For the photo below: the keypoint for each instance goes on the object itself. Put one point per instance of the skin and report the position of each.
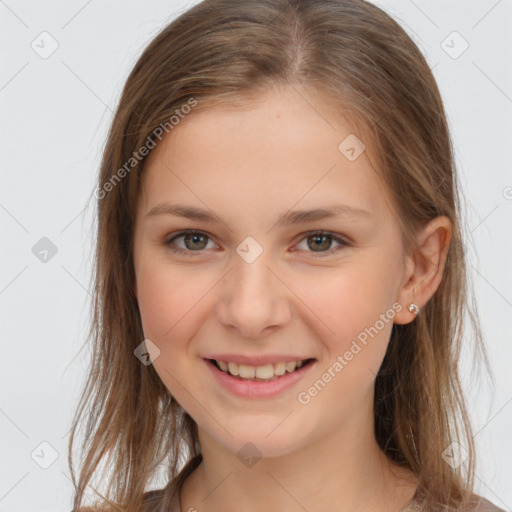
(248, 165)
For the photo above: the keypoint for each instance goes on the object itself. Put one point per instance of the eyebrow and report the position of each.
(284, 219)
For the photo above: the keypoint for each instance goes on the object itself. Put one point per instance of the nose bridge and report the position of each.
(252, 280)
(253, 298)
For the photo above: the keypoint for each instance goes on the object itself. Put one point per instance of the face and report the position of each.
(254, 282)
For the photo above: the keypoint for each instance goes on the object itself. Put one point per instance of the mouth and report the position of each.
(265, 373)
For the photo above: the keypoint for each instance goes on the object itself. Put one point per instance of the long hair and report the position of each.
(224, 51)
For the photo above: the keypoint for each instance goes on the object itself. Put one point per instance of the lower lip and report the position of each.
(255, 389)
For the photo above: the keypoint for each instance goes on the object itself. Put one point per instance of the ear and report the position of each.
(424, 268)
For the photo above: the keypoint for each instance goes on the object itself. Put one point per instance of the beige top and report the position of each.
(171, 495)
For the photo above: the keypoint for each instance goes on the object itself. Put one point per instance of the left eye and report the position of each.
(196, 241)
(321, 242)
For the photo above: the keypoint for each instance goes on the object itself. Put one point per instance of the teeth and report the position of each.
(279, 368)
(246, 372)
(233, 368)
(267, 372)
(264, 372)
(291, 366)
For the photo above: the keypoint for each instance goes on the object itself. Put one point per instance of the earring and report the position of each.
(414, 309)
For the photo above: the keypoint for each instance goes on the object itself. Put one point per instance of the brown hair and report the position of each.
(226, 50)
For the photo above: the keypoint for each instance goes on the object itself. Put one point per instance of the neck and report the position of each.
(344, 471)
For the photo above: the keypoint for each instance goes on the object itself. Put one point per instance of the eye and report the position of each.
(320, 241)
(194, 241)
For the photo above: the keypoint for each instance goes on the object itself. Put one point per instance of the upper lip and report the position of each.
(256, 360)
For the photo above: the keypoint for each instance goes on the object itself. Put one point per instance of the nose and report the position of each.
(254, 299)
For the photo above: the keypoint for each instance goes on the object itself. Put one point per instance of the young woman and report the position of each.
(280, 278)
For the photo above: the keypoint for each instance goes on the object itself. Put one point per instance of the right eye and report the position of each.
(193, 241)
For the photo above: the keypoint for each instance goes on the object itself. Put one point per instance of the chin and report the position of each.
(264, 440)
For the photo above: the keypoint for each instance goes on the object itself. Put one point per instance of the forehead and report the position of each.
(286, 147)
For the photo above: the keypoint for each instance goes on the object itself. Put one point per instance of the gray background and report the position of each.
(55, 112)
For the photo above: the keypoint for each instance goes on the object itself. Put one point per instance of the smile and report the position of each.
(243, 381)
(265, 373)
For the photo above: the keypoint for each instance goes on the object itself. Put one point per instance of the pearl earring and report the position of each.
(414, 309)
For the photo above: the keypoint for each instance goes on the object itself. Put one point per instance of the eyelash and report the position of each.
(343, 243)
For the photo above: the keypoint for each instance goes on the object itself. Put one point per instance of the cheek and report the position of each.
(167, 296)
(355, 304)
(170, 307)
(163, 304)
(158, 304)
(349, 301)
(175, 302)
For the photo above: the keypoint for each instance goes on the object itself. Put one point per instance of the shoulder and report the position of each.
(477, 503)
(93, 508)
(150, 501)
(483, 505)
(100, 507)
(153, 500)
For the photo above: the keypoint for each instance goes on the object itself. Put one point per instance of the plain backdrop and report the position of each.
(55, 111)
